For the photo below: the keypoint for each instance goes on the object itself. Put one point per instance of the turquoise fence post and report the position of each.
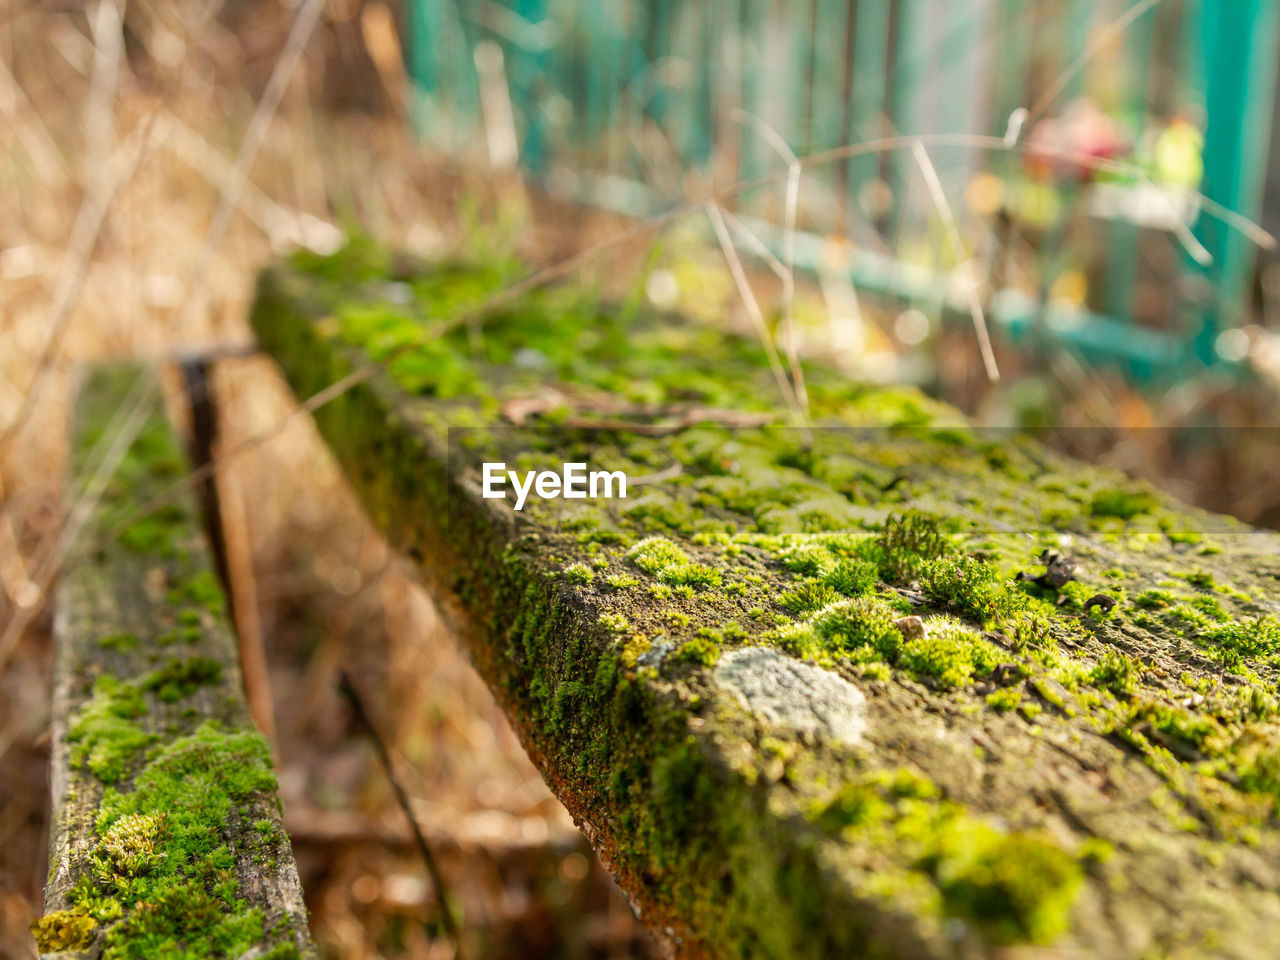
(1239, 48)
(422, 41)
(529, 73)
(869, 100)
(1123, 236)
(911, 64)
(700, 142)
(423, 33)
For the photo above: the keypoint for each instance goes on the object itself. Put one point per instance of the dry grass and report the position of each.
(120, 148)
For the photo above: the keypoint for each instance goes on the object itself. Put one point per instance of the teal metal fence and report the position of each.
(626, 102)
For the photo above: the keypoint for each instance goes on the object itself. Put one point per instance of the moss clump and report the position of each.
(181, 678)
(701, 651)
(158, 534)
(654, 555)
(1259, 637)
(163, 880)
(808, 558)
(579, 573)
(968, 586)
(807, 597)
(1116, 672)
(1124, 504)
(906, 542)
(798, 639)
(202, 589)
(104, 736)
(63, 930)
(126, 640)
(852, 577)
(691, 575)
(862, 622)
(1015, 886)
(950, 653)
(1004, 700)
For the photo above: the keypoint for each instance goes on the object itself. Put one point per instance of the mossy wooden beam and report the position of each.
(888, 688)
(167, 836)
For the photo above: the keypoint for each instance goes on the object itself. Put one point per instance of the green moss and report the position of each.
(1122, 503)
(181, 678)
(1016, 886)
(201, 588)
(63, 930)
(691, 575)
(1116, 672)
(127, 640)
(163, 879)
(159, 534)
(852, 577)
(968, 586)
(579, 573)
(950, 653)
(807, 597)
(862, 622)
(809, 558)
(907, 542)
(615, 622)
(1004, 699)
(103, 734)
(701, 650)
(655, 554)
(798, 639)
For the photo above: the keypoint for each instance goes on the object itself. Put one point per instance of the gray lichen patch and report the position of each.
(787, 695)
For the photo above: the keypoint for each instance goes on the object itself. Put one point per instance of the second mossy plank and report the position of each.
(167, 835)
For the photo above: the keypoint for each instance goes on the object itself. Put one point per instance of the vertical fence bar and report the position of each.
(910, 64)
(526, 72)
(1123, 236)
(830, 37)
(750, 26)
(869, 104)
(1239, 47)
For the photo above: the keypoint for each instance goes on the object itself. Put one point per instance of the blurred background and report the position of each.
(1076, 196)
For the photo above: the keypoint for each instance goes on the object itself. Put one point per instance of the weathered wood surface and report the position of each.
(167, 836)
(722, 675)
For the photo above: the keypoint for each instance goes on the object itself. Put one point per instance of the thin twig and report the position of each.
(930, 174)
(30, 131)
(402, 798)
(756, 315)
(790, 213)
